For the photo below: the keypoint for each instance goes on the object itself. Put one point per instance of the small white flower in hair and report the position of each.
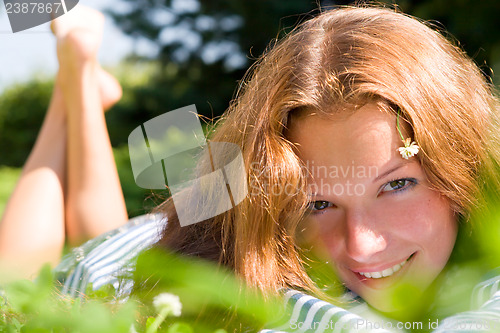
(169, 303)
(409, 150)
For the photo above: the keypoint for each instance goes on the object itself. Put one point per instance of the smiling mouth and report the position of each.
(386, 272)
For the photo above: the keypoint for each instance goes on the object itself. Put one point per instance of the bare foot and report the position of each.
(79, 35)
(79, 17)
(79, 31)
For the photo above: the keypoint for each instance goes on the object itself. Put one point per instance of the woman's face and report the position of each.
(373, 213)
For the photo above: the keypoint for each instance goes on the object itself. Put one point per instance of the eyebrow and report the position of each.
(391, 170)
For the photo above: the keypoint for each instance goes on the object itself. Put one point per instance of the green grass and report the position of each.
(8, 179)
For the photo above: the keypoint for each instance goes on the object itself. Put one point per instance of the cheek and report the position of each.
(322, 235)
(429, 225)
(328, 234)
(427, 217)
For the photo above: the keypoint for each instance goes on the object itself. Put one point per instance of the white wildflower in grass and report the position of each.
(409, 150)
(168, 302)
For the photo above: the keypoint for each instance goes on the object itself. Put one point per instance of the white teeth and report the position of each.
(385, 272)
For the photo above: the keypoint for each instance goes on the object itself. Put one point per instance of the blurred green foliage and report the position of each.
(205, 292)
(22, 108)
(212, 296)
(38, 307)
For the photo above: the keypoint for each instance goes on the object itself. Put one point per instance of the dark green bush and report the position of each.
(22, 108)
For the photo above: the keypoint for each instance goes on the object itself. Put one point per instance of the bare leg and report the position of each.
(32, 227)
(95, 202)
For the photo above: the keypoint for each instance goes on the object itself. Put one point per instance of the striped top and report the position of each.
(101, 261)
(104, 259)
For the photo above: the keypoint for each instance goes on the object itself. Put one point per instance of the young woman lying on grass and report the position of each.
(368, 140)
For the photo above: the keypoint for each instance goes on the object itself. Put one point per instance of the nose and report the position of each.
(362, 239)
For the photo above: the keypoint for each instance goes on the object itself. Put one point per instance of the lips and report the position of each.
(386, 272)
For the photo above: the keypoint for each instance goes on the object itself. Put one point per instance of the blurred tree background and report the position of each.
(203, 49)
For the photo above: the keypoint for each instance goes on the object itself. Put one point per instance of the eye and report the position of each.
(319, 205)
(398, 185)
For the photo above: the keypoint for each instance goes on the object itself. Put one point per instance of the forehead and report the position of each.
(367, 136)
